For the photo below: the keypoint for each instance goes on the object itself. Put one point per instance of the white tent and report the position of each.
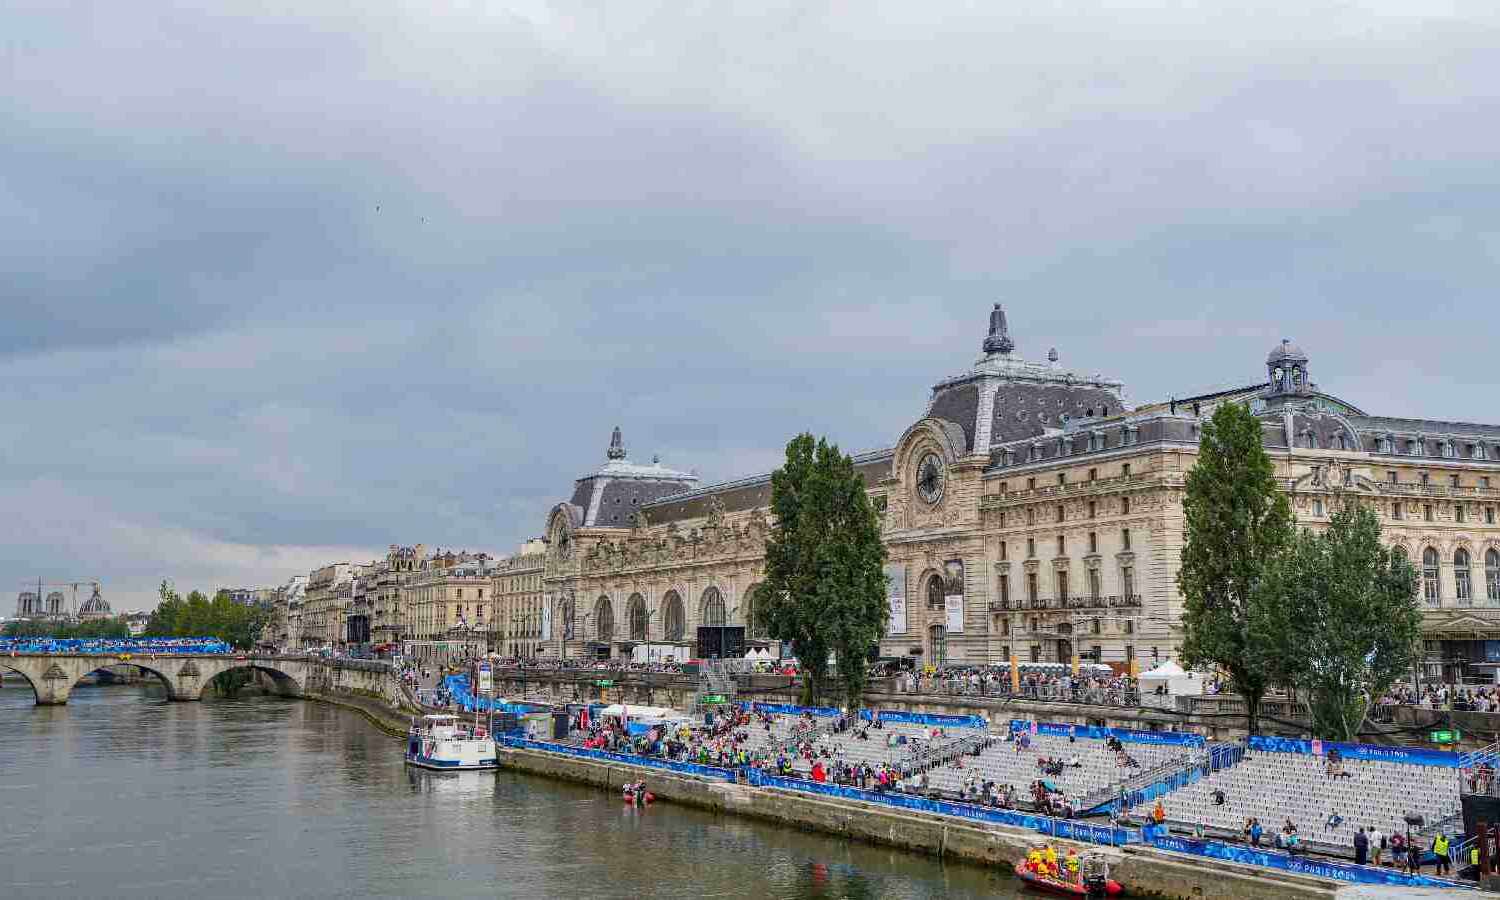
(760, 654)
(1176, 681)
(639, 712)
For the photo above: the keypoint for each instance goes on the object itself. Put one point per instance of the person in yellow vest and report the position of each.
(1050, 854)
(1474, 855)
(1072, 865)
(1440, 850)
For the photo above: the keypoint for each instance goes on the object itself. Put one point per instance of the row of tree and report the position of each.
(198, 616)
(113, 627)
(1329, 616)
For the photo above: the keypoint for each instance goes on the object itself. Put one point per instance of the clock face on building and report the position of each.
(930, 478)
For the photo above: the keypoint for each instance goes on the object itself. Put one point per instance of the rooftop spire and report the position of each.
(998, 340)
(616, 446)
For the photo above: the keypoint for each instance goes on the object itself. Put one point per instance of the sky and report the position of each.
(282, 284)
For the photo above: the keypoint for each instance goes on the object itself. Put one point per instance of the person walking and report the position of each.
(1377, 845)
(1440, 850)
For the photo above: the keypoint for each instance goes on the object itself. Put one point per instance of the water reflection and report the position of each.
(123, 794)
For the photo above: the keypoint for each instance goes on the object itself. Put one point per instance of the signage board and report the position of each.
(953, 595)
(895, 594)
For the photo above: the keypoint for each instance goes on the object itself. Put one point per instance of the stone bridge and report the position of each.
(53, 675)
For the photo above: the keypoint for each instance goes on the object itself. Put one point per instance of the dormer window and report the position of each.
(1412, 448)
(1384, 445)
(1447, 449)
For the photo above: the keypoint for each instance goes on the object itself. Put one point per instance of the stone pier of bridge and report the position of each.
(52, 676)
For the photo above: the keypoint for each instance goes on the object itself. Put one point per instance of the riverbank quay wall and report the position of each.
(1148, 872)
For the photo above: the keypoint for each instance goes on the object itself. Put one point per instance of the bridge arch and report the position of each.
(10, 672)
(287, 685)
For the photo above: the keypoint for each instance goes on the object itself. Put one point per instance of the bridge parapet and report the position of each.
(53, 675)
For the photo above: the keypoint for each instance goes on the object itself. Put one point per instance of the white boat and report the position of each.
(444, 743)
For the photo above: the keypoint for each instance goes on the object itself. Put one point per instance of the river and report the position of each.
(122, 794)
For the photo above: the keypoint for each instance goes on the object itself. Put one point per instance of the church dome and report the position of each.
(95, 605)
(1286, 351)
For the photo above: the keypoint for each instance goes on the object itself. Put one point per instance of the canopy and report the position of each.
(1172, 676)
(760, 654)
(642, 712)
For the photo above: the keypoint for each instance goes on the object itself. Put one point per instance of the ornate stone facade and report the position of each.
(1033, 512)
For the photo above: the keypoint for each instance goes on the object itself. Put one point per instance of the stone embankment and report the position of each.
(371, 690)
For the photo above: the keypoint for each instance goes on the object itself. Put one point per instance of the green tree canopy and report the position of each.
(825, 589)
(1336, 617)
(1237, 523)
(198, 616)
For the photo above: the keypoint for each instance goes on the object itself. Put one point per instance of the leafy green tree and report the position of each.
(1337, 618)
(825, 590)
(1237, 524)
(198, 616)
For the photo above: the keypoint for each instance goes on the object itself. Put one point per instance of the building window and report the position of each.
(1383, 445)
(938, 637)
(1093, 542)
(1005, 629)
(1093, 474)
(1031, 548)
(1062, 546)
(1317, 507)
(1492, 575)
(1484, 482)
(1125, 538)
(1125, 470)
(1426, 477)
(1062, 514)
(1461, 584)
(1095, 584)
(1003, 546)
(1430, 576)
(1004, 591)
(1062, 585)
(1447, 449)
(1031, 484)
(1427, 512)
(1453, 480)
(604, 619)
(1093, 509)
(1458, 512)
(1129, 649)
(1129, 626)
(1390, 476)
(1094, 626)
(935, 592)
(1124, 506)
(673, 622)
(1036, 653)
(1062, 477)
(1030, 515)
(1396, 510)
(1127, 581)
(1033, 591)
(1411, 448)
(636, 610)
(1489, 515)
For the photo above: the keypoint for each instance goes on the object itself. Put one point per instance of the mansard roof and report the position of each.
(610, 497)
(749, 493)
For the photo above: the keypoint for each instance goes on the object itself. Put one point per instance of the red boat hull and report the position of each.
(1111, 888)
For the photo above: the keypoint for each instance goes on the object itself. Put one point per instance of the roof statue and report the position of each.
(998, 340)
(616, 445)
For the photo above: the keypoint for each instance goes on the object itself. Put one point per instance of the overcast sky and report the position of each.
(282, 286)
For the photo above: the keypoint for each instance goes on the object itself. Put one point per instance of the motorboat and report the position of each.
(445, 743)
(1094, 880)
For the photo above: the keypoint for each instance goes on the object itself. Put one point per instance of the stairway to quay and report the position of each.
(977, 781)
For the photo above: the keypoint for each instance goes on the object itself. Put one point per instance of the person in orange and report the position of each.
(1159, 812)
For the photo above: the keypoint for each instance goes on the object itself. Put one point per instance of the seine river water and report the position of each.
(122, 794)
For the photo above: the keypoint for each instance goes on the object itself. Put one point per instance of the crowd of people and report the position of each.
(1445, 697)
(135, 645)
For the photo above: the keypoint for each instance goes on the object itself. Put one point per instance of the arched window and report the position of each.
(604, 619)
(1430, 576)
(636, 610)
(1492, 575)
(935, 591)
(712, 612)
(1461, 584)
(672, 622)
(938, 637)
(755, 616)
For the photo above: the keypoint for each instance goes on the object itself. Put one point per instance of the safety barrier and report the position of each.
(1123, 735)
(1061, 828)
(627, 758)
(1417, 756)
(788, 709)
(1270, 859)
(458, 689)
(200, 645)
(910, 718)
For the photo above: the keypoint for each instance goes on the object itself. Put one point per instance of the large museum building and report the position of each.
(1034, 513)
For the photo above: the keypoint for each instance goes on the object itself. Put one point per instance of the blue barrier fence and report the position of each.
(1123, 735)
(458, 687)
(627, 758)
(934, 719)
(1061, 828)
(1270, 859)
(1417, 756)
(144, 645)
(788, 709)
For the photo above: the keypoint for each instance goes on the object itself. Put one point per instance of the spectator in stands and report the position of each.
(1334, 821)
(1218, 797)
(1361, 847)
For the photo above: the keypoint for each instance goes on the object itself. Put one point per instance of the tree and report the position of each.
(825, 588)
(197, 616)
(1337, 618)
(1237, 524)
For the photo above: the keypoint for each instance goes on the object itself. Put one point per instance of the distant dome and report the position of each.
(95, 605)
(1284, 352)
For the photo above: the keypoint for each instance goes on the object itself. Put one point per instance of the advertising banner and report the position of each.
(1124, 735)
(546, 621)
(953, 595)
(895, 594)
(486, 685)
(1417, 756)
(1270, 859)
